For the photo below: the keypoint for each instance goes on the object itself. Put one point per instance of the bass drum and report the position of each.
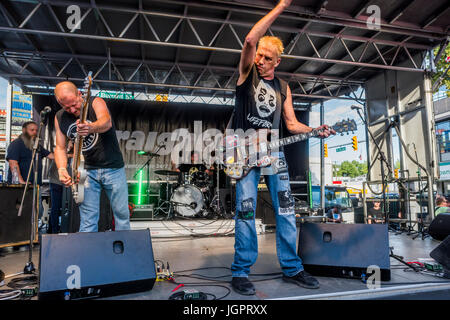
(187, 200)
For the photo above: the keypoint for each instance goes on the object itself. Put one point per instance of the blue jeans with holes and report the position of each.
(246, 242)
(114, 182)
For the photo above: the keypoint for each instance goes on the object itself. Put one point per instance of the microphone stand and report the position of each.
(29, 267)
(383, 160)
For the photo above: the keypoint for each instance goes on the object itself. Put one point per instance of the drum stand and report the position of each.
(215, 205)
(166, 202)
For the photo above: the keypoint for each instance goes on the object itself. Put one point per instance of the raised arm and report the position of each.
(252, 38)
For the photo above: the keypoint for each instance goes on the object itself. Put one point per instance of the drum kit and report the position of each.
(191, 195)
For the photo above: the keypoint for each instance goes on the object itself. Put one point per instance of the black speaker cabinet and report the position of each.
(264, 208)
(15, 230)
(100, 264)
(442, 255)
(439, 228)
(344, 250)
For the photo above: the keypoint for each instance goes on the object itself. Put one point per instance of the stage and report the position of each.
(215, 254)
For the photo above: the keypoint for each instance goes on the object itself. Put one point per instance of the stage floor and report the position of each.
(193, 253)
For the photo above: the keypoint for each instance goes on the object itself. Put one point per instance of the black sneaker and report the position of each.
(243, 286)
(303, 279)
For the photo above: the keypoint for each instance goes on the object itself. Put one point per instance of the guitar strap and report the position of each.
(277, 115)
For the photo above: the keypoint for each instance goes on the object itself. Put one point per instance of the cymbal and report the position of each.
(167, 172)
(145, 153)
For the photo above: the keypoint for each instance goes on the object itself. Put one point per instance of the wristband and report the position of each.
(59, 169)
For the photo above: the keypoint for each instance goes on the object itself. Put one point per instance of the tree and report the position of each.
(441, 67)
(362, 168)
(348, 169)
(351, 169)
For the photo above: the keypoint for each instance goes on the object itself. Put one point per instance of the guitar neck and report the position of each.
(79, 139)
(293, 139)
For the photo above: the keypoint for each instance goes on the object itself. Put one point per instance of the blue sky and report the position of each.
(337, 110)
(3, 85)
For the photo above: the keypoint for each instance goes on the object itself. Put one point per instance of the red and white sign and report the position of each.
(447, 59)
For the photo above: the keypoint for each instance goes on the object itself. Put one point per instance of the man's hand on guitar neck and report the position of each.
(84, 129)
(325, 131)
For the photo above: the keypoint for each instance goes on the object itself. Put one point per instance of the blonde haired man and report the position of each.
(261, 101)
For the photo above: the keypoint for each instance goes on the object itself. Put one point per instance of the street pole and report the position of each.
(322, 161)
(9, 101)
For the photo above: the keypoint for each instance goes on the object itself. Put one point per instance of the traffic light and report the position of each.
(325, 150)
(355, 143)
(396, 173)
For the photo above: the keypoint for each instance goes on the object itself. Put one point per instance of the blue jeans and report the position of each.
(114, 182)
(246, 242)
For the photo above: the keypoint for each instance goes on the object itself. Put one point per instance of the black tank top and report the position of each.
(256, 102)
(100, 150)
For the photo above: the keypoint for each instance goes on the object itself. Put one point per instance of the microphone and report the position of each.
(46, 111)
(353, 107)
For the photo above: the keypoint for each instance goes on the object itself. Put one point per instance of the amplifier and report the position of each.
(143, 212)
(15, 230)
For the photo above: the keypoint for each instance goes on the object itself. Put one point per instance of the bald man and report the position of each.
(103, 159)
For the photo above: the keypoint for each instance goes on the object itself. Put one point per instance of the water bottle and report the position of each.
(15, 177)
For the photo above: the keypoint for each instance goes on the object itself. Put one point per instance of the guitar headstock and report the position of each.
(86, 94)
(87, 84)
(345, 126)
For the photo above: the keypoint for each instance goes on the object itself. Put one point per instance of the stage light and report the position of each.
(140, 186)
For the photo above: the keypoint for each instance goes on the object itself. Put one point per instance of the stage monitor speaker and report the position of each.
(344, 250)
(99, 264)
(440, 226)
(442, 255)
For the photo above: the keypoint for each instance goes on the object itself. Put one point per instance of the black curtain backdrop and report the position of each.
(143, 125)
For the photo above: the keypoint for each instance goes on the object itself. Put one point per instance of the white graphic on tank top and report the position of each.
(89, 141)
(266, 99)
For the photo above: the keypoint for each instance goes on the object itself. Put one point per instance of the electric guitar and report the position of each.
(79, 173)
(239, 158)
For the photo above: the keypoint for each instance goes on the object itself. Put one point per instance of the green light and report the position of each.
(140, 187)
(141, 152)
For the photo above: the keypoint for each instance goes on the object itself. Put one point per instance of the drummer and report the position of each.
(193, 166)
